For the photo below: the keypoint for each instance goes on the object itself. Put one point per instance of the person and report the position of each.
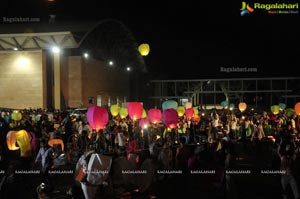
(45, 154)
(288, 154)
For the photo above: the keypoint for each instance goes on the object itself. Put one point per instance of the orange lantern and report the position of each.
(196, 118)
(170, 118)
(297, 108)
(11, 141)
(97, 117)
(242, 106)
(154, 115)
(135, 110)
(144, 49)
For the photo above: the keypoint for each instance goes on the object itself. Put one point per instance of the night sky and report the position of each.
(189, 39)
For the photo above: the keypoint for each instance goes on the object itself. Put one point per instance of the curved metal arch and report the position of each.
(110, 39)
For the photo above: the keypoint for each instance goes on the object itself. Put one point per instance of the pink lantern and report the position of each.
(97, 117)
(35, 142)
(144, 123)
(135, 110)
(189, 113)
(154, 115)
(170, 118)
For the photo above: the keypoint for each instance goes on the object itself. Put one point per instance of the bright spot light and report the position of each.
(243, 117)
(86, 55)
(111, 63)
(15, 49)
(55, 49)
(145, 126)
(202, 114)
(23, 62)
(230, 108)
(128, 69)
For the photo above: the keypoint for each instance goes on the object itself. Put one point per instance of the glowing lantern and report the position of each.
(97, 117)
(144, 123)
(23, 141)
(17, 116)
(170, 104)
(224, 104)
(242, 106)
(275, 109)
(231, 106)
(189, 113)
(289, 112)
(282, 106)
(188, 105)
(180, 111)
(11, 141)
(144, 114)
(114, 109)
(196, 111)
(154, 115)
(135, 110)
(144, 49)
(55, 141)
(297, 108)
(170, 118)
(123, 112)
(196, 118)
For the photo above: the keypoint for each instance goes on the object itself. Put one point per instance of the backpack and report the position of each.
(98, 168)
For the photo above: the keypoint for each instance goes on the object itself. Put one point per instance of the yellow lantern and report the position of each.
(114, 109)
(17, 116)
(180, 111)
(11, 141)
(275, 109)
(144, 49)
(23, 141)
(242, 106)
(123, 112)
(144, 115)
(196, 111)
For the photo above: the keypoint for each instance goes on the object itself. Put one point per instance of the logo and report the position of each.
(246, 9)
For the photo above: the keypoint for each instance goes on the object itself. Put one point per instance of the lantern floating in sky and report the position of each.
(196, 111)
(114, 109)
(289, 112)
(180, 111)
(154, 115)
(275, 109)
(97, 117)
(144, 114)
(224, 104)
(135, 110)
(282, 106)
(169, 104)
(17, 116)
(170, 118)
(144, 49)
(188, 105)
(123, 112)
(144, 123)
(23, 141)
(242, 106)
(297, 108)
(189, 113)
(11, 141)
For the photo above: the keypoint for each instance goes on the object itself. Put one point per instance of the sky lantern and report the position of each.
(16, 115)
(231, 106)
(189, 113)
(23, 141)
(242, 106)
(144, 114)
(180, 111)
(11, 141)
(282, 106)
(97, 117)
(123, 112)
(297, 108)
(144, 49)
(169, 104)
(188, 105)
(144, 123)
(114, 109)
(196, 118)
(170, 118)
(154, 115)
(289, 112)
(275, 109)
(224, 104)
(135, 110)
(196, 110)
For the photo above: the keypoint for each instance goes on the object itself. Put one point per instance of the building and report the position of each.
(67, 65)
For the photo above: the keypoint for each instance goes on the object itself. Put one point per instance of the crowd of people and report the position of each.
(212, 141)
